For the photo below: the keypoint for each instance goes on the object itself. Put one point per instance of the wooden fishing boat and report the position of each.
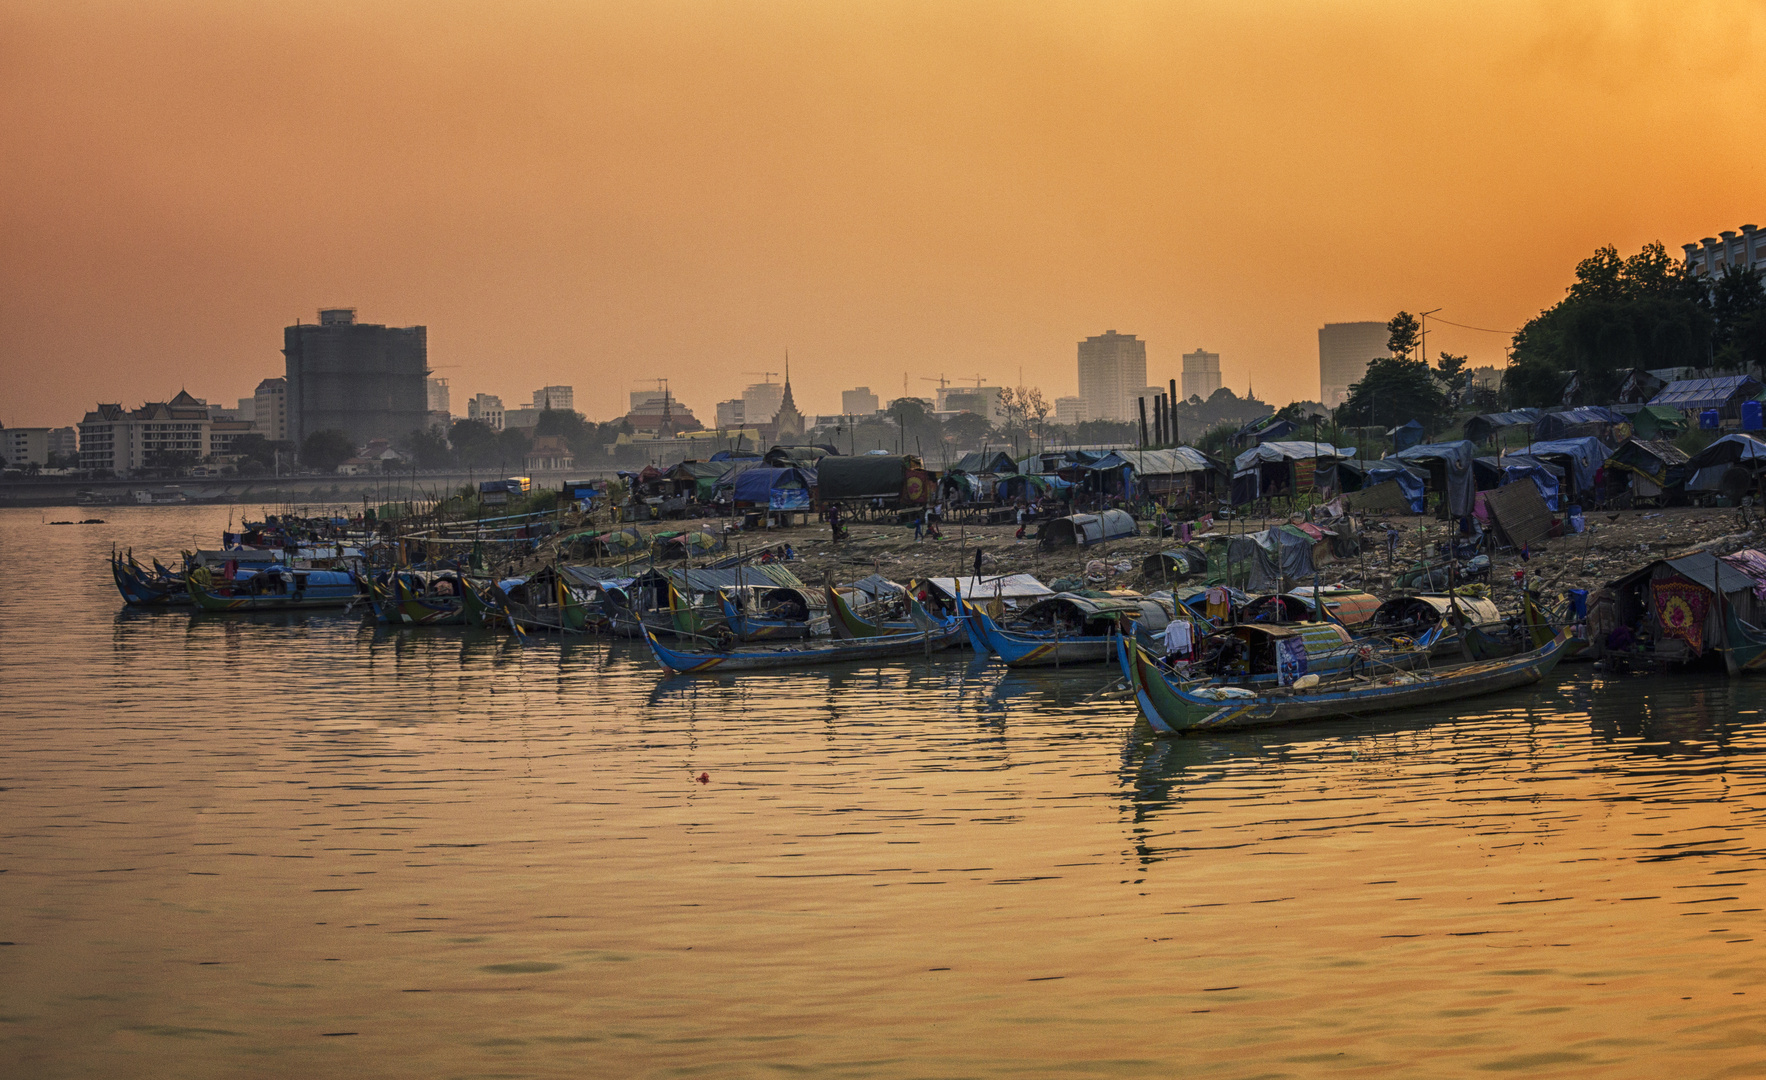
(396, 599)
(275, 589)
(1744, 644)
(142, 587)
(844, 622)
(825, 651)
(772, 613)
(1172, 707)
(1092, 644)
(1258, 652)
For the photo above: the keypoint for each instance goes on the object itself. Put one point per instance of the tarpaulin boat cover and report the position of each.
(863, 477)
(1455, 458)
(1586, 455)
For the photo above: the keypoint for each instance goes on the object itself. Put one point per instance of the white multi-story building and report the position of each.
(269, 410)
(22, 446)
(1344, 351)
(438, 395)
(554, 397)
(1201, 374)
(487, 409)
(158, 434)
(859, 401)
(731, 414)
(1070, 411)
(64, 442)
(1710, 255)
(1112, 373)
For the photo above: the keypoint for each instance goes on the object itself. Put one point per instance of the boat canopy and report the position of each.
(1004, 586)
(1348, 606)
(1430, 609)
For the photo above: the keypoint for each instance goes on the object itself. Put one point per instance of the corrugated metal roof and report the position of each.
(1704, 393)
(1702, 568)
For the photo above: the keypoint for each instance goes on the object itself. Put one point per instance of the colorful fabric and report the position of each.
(1680, 608)
(1290, 659)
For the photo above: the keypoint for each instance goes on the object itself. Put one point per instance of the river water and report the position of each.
(294, 846)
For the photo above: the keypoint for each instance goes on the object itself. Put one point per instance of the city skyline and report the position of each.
(731, 163)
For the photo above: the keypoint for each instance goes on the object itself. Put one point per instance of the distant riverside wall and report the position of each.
(61, 491)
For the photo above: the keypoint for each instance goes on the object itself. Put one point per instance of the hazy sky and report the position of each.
(596, 194)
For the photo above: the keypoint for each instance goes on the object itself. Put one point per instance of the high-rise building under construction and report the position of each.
(366, 380)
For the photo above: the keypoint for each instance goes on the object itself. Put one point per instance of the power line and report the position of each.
(1463, 326)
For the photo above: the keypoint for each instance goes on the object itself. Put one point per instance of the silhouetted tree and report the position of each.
(326, 449)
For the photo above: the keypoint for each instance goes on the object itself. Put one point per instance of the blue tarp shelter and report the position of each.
(1547, 478)
(1695, 395)
(1580, 458)
(1570, 423)
(1407, 435)
(1414, 485)
(1481, 427)
(1450, 466)
(776, 489)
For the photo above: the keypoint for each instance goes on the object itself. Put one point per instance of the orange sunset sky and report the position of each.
(598, 193)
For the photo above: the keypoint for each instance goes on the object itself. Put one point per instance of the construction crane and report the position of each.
(765, 375)
(940, 380)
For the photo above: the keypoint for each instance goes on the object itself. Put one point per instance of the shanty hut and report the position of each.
(696, 479)
(1486, 427)
(1406, 435)
(787, 488)
(1672, 602)
(1580, 422)
(1657, 422)
(1653, 466)
(1724, 394)
(978, 462)
(1084, 530)
(1181, 472)
(1031, 486)
(803, 457)
(1282, 468)
(1581, 459)
(1449, 466)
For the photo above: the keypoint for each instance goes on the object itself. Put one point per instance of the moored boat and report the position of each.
(274, 589)
(1081, 631)
(1172, 707)
(821, 651)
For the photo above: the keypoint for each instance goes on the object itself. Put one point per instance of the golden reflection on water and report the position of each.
(299, 846)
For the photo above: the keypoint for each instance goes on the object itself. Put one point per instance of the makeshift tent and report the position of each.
(1407, 435)
(1164, 472)
(1675, 598)
(863, 477)
(1580, 458)
(984, 461)
(1085, 530)
(800, 456)
(1029, 486)
(697, 478)
(1576, 423)
(1241, 562)
(1547, 479)
(776, 489)
(1280, 468)
(1657, 422)
(1412, 483)
(736, 455)
(1729, 465)
(1486, 426)
(1654, 466)
(1696, 395)
(1450, 471)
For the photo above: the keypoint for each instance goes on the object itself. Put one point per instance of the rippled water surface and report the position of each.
(303, 846)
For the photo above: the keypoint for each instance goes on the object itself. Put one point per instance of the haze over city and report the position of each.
(596, 195)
